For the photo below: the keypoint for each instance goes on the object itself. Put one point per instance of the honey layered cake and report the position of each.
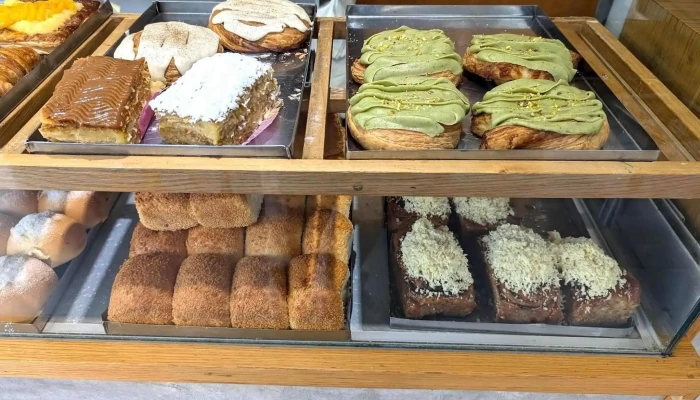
(220, 101)
(99, 100)
(42, 25)
(540, 114)
(411, 113)
(407, 52)
(504, 57)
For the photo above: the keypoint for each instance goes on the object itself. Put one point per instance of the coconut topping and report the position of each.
(271, 16)
(483, 210)
(433, 254)
(428, 206)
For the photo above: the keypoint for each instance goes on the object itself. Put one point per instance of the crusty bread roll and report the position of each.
(143, 290)
(51, 237)
(164, 211)
(259, 294)
(202, 291)
(18, 203)
(339, 204)
(25, 285)
(224, 242)
(328, 232)
(88, 208)
(225, 210)
(316, 292)
(146, 241)
(277, 233)
(6, 224)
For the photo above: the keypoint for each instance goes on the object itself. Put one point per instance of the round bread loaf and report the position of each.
(18, 203)
(88, 208)
(6, 224)
(48, 236)
(25, 285)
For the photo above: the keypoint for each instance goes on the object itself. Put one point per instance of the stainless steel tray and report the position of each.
(50, 61)
(274, 142)
(628, 141)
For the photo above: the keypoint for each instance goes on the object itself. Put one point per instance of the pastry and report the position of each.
(339, 204)
(480, 215)
(98, 100)
(44, 24)
(403, 212)
(202, 291)
(328, 232)
(407, 114)
(505, 57)
(15, 63)
(431, 272)
(221, 100)
(259, 294)
(224, 210)
(170, 48)
(277, 233)
(317, 292)
(6, 224)
(88, 208)
(224, 242)
(18, 203)
(146, 241)
(407, 52)
(25, 285)
(254, 26)
(539, 114)
(164, 211)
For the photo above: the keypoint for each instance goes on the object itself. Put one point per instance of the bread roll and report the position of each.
(328, 232)
(259, 294)
(164, 211)
(282, 203)
(88, 208)
(25, 285)
(224, 210)
(225, 242)
(202, 291)
(316, 292)
(6, 224)
(339, 204)
(51, 237)
(18, 203)
(277, 233)
(146, 241)
(143, 290)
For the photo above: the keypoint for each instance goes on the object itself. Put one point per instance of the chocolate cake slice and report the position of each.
(403, 212)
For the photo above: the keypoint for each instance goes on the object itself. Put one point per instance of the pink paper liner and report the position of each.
(263, 125)
(146, 117)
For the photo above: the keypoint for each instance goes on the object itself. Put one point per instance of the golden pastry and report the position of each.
(15, 62)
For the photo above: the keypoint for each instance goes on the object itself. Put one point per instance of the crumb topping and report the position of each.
(483, 210)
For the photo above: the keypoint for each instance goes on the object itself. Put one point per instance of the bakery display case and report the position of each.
(317, 267)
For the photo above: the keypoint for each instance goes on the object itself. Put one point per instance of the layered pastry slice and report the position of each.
(505, 57)
(220, 101)
(540, 114)
(15, 62)
(99, 100)
(402, 212)
(253, 26)
(43, 24)
(170, 48)
(412, 113)
(407, 52)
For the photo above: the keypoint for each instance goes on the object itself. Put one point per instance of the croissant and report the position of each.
(15, 62)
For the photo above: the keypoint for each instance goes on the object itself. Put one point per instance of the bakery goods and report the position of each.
(317, 292)
(164, 211)
(18, 203)
(539, 114)
(48, 236)
(407, 52)
(479, 215)
(202, 291)
(224, 210)
(224, 242)
(142, 292)
(431, 272)
(505, 57)
(98, 100)
(277, 233)
(200, 109)
(328, 232)
(598, 292)
(6, 224)
(284, 203)
(407, 114)
(15, 63)
(170, 48)
(254, 26)
(43, 24)
(146, 241)
(403, 212)
(339, 204)
(522, 275)
(25, 285)
(259, 294)
(88, 208)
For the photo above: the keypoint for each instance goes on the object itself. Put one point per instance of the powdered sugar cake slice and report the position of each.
(220, 101)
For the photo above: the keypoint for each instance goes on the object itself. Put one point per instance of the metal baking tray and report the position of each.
(276, 141)
(51, 61)
(627, 142)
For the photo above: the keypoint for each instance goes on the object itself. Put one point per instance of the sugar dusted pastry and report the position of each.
(251, 26)
(220, 101)
(170, 48)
